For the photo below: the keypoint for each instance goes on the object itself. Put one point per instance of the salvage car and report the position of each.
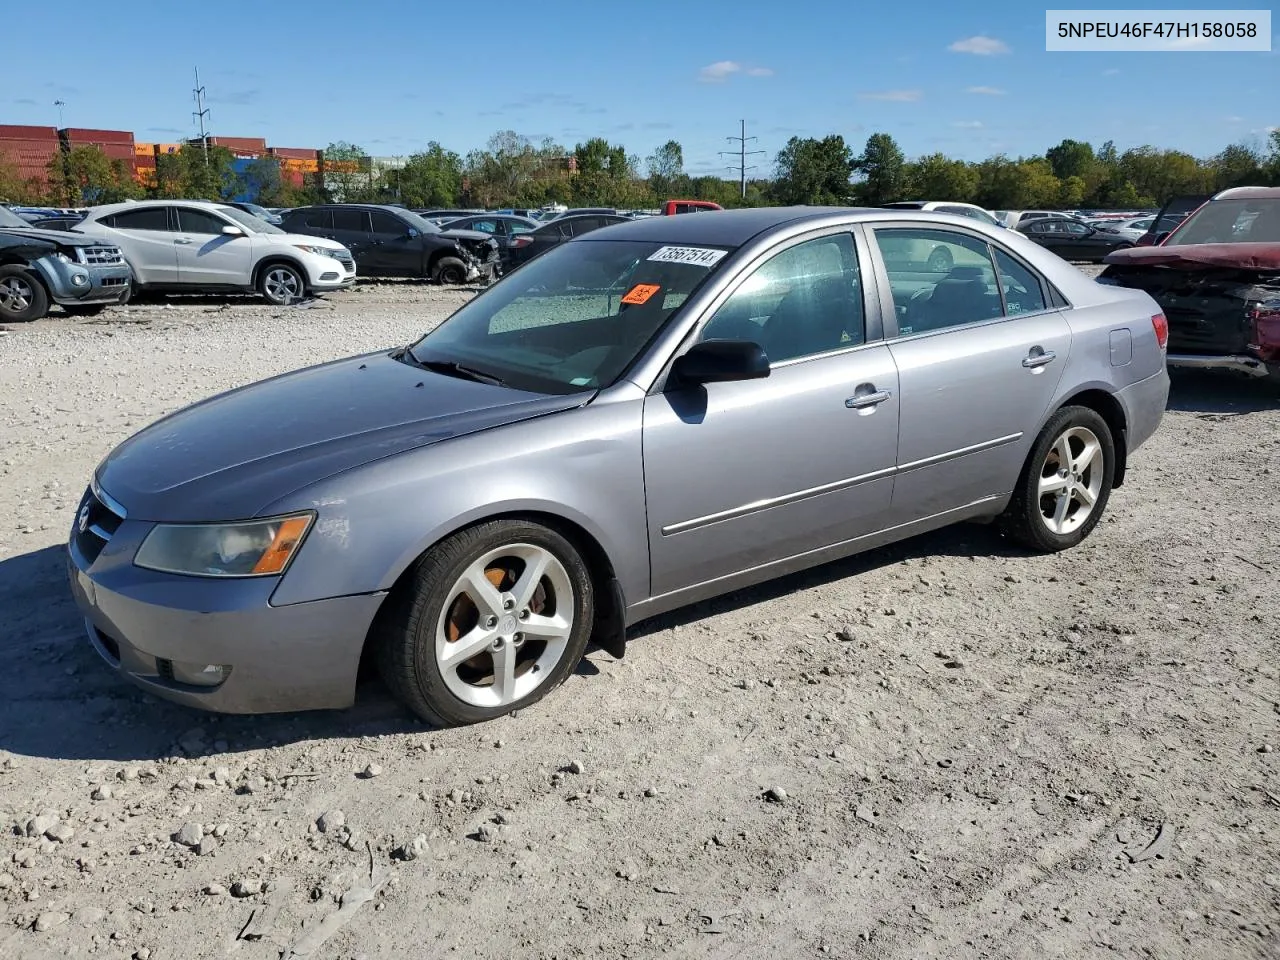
(185, 246)
(645, 416)
(83, 275)
(526, 246)
(1073, 240)
(391, 241)
(1217, 278)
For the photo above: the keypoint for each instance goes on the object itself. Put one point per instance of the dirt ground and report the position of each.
(947, 748)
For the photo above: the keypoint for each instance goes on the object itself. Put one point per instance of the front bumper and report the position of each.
(329, 273)
(164, 632)
(70, 284)
(1241, 363)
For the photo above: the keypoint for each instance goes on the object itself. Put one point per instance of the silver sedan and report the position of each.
(643, 417)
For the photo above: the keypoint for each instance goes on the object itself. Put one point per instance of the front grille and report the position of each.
(95, 524)
(165, 669)
(114, 282)
(103, 255)
(345, 259)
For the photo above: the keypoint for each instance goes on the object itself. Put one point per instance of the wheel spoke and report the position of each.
(1063, 449)
(1086, 458)
(534, 568)
(465, 647)
(1053, 484)
(1085, 495)
(504, 672)
(482, 593)
(1060, 511)
(546, 628)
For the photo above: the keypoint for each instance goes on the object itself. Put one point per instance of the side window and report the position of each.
(1078, 229)
(149, 218)
(938, 278)
(1022, 290)
(485, 226)
(350, 220)
(386, 225)
(319, 220)
(803, 301)
(191, 220)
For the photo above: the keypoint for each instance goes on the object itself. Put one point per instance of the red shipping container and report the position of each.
(9, 132)
(241, 144)
(295, 153)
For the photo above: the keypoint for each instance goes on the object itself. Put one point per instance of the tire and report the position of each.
(435, 609)
(449, 270)
(84, 309)
(22, 296)
(1069, 518)
(940, 260)
(281, 284)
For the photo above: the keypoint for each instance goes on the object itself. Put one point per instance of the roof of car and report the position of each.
(727, 228)
(1249, 193)
(108, 208)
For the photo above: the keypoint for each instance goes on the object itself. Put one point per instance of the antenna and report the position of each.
(201, 114)
(742, 153)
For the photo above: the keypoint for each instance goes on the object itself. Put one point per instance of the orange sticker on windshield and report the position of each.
(641, 292)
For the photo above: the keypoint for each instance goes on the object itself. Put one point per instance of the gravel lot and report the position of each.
(946, 748)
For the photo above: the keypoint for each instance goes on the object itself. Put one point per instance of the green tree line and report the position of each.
(512, 170)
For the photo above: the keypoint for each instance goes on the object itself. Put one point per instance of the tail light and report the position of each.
(1265, 320)
(1161, 327)
(519, 243)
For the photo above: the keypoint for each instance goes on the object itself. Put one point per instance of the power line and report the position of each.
(201, 114)
(742, 153)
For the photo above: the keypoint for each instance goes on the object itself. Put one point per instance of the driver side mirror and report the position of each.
(413, 233)
(231, 231)
(714, 361)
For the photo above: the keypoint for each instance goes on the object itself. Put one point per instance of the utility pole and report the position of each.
(200, 115)
(742, 153)
(63, 148)
(60, 104)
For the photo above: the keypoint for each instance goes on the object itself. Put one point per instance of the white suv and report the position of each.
(188, 245)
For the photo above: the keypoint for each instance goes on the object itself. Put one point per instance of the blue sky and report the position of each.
(967, 80)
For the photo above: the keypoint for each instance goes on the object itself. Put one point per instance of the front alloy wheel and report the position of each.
(487, 621)
(21, 298)
(282, 284)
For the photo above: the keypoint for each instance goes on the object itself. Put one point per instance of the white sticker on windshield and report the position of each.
(694, 256)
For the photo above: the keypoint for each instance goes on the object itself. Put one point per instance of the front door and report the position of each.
(979, 354)
(207, 256)
(742, 474)
(393, 252)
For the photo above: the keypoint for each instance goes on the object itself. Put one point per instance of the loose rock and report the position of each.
(47, 921)
(331, 820)
(189, 835)
(101, 793)
(371, 771)
(775, 795)
(60, 832)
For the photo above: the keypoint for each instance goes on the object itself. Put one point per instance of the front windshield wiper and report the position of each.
(454, 369)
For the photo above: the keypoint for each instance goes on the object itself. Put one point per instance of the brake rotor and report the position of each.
(463, 612)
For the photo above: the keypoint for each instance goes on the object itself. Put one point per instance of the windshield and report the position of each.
(249, 221)
(1231, 221)
(574, 318)
(422, 224)
(10, 219)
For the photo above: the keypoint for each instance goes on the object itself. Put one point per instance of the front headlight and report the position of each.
(252, 548)
(63, 257)
(318, 251)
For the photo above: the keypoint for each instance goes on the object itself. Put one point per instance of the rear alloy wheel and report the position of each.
(450, 270)
(21, 298)
(494, 618)
(1065, 483)
(281, 284)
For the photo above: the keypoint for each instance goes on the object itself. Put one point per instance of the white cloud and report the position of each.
(981, 46)
(895, 96)
(967, 124)
(759, 72)
(1111, 72)
(1233, 119)
(987, 91)
(719, 71)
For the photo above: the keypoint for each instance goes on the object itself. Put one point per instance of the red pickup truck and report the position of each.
(672, 207)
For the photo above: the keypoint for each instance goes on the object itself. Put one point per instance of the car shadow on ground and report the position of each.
(1221, 395)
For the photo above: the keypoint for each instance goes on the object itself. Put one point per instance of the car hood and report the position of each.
(1201, 256)
(66, 238)
(466, 235)
(230, 456)
(289, 239)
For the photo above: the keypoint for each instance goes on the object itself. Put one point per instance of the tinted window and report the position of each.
(581, 225)
(938, 279)
(387, 225)
(803, 301)
(149, 218)
(352, 221)
(317, 219)
(191, 220)
(1076, 229)
(1022, 290)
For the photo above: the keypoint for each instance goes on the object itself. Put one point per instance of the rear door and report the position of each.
(351, 229)
(146, 238)
(207, 256)
(979, 353)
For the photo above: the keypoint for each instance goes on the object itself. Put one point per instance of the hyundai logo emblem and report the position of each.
(83, 520)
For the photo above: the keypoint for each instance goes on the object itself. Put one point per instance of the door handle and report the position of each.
(1034, 359)
(860, 401)
(182, 240)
